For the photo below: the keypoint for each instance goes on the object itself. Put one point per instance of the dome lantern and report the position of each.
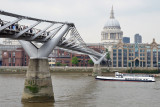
(112, 14)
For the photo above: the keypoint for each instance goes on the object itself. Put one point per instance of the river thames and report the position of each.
(80, 90)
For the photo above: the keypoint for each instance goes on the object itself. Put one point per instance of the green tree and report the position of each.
(75, 60)
(58, 64)
(108, 57)
(90, 62)
(106, 50)
(64, 64)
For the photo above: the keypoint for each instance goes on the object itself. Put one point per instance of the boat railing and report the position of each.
(133, 75)
(138, 75)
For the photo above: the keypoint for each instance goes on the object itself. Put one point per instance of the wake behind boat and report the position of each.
(128, 77)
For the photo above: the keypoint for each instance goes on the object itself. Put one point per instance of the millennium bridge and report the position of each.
(63, 35)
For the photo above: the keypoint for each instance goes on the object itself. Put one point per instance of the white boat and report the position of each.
(128, 77)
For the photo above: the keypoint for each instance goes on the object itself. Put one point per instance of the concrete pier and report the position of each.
(38, 83)
(96, 70)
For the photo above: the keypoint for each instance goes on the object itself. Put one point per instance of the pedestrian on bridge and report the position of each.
(1, 23)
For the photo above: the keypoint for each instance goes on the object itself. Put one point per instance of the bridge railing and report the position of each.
(17, 27)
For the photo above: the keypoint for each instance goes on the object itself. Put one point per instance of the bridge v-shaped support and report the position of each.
(46, 48)
(38, 83)
(97, 68)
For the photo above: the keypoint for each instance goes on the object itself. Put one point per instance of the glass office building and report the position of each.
(126, 39)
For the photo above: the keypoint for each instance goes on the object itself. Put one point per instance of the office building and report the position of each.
(137, 38)
(126, 39)
(135, 55)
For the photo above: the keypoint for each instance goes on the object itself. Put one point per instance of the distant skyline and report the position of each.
(90, 16)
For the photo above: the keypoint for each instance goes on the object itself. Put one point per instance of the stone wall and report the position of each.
(18, 69)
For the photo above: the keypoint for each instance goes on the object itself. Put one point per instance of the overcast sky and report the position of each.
(90, 16)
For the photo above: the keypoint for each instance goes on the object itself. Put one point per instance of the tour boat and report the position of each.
(128, 77)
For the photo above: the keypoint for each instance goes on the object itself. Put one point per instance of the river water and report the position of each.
(79, 90)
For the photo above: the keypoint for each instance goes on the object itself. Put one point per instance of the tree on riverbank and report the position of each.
(75, 60)
(90, 62)
(108, 57)
(58, 64)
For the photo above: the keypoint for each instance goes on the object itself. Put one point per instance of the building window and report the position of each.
(78, 56)
(125, 58)
(13, 54)
(158, 55)
(148, 47)
(67, 61)
(9, 54)
(142, 50)
(130, 54)
(114, 63)
(9, 60)
(13, 60)
(114, 51)
(154, 58)
(148, 57)
(113, 36)
(140, 63)
(119, 57)
(114, 46)
(114, 57)
(144, 64)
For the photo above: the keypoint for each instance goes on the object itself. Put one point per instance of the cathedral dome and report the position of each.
(112, 22)
(111, 33)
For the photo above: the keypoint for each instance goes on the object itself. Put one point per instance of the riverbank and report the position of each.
(85, 70)
(13, 70)
(23, 70)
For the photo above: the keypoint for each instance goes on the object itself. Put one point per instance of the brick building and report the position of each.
(16, 57)
(65, 58)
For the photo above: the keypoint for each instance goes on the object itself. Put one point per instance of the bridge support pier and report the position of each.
(96, 70)
(97, 67)
(38, 83)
